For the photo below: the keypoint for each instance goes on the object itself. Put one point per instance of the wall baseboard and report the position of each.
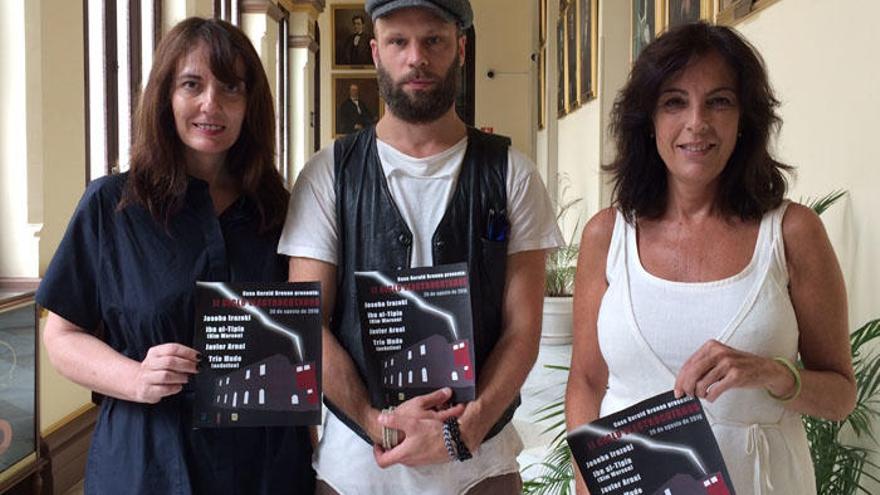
(19, 283)
(66, 448)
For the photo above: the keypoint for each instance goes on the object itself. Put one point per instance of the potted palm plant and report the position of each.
(840, 464)
(559, 284)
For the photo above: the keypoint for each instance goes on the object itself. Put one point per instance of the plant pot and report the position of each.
(557, 323)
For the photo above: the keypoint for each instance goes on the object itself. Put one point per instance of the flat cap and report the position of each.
(457, 11)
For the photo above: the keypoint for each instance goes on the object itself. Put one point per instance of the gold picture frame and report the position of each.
(577, 48)
(372, 107)
(587, 49)
(345, 53)
(562, 104)
(646, 22)
(730, 12)
(541, 64)
(571, 55)
(676, 12)
(542, 87)
(542, 23)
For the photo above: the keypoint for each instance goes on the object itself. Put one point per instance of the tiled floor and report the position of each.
(542, 387)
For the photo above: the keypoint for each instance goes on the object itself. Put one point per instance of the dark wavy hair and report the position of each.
(752, 181)
(157, 179)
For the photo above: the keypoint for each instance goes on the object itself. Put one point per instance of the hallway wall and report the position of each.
(820, 56)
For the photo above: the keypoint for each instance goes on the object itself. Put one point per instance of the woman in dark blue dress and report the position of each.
(202, 201)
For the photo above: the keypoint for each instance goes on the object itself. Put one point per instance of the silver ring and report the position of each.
(390, 436)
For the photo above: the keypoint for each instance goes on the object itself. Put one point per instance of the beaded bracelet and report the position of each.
(462, 452)
(447, 440)
(796, 374)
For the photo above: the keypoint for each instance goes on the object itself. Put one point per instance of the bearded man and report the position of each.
(420, 189)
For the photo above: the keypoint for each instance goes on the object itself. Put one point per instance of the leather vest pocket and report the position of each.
(494, 267)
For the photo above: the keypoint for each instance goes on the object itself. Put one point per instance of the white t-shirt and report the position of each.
(421, 189)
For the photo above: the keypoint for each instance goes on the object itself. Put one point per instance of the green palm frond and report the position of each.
(561, 263)
(868, 332)
(840, 466)
(556, 471)
(819, 205)
(557, 367)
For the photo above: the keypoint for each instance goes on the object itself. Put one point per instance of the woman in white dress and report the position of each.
(702, 278)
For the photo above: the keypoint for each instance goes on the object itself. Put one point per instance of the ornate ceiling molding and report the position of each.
(262, 7)
(313, 7)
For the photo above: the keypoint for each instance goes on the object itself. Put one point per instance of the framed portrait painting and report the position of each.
(644, 24)
(542, 22)
(352, 32)
(561, 107)
(541, 62)
(356, 103)
(678, 12)
(571, 54)
(542, 87)
(729, 12)
(587, 11)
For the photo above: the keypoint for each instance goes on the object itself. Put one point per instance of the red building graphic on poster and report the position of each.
(273, 384)
(429, 364)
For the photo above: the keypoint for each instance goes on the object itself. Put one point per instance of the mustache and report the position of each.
(418, 74)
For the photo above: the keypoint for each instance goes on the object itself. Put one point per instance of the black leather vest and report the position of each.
(374, 236)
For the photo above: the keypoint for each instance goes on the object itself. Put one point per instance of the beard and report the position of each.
(421, 107)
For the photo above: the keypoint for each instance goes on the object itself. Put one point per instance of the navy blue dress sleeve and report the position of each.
(70, 284)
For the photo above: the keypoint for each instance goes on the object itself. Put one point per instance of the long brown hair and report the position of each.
(752, 182)
(157, 179)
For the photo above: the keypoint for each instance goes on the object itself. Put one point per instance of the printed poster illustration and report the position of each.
(417, 332)
(261, 354)
(661, 446)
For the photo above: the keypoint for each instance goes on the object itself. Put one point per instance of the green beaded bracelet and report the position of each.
(795, 372)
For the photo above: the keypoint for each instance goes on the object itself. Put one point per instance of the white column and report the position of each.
(260, 20)
(14, 259)
(303, 63)
(261, 27)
